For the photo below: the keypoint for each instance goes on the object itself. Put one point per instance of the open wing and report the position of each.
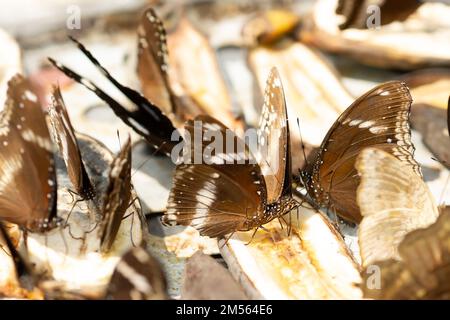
(379, 118)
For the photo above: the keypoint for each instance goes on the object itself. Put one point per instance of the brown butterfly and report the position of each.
(27, 172)
(230, 191)
(117, 197)
(393, 200)
(137, 276)
(145, 118)
(379, 118)
(423, 271)
(153, 69)
(64, 136)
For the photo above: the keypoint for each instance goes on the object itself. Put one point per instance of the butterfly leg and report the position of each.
(131, 230)
(281, 225)
(226, 240)
(253, 235)
(4, 250)
(335, 219)
(70, 212)
(131, 203)
(290, 225)
(287, 224)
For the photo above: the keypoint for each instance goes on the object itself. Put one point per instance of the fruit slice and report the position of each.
(312, 263)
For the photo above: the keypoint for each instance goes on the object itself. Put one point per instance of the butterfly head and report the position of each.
(279, 208)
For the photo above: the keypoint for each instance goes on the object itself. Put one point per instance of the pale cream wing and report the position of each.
(424, 269)
(393, 201)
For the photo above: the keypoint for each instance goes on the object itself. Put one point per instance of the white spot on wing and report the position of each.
(30, 96)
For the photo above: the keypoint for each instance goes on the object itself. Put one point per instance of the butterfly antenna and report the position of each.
(148, 159)
(302, 143)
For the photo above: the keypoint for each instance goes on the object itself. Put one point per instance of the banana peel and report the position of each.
(194, 72)
(312, 262)
(10, 62)
(421, 40)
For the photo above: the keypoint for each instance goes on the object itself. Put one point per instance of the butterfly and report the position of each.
(379, 118)
(137, 276)
(393, 200)
(145, 118)
(153, 70)
(422, 270)
(27, 171)
(230, 191)
(64, 136)
(116, 199)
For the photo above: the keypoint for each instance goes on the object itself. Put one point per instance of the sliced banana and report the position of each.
(312, 263)
(422, 39)
(10, 62)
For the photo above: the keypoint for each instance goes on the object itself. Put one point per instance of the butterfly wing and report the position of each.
(393, 200)
(64, 136)
(424, 269)
(137, 276)
(218, 195)
(145, 118)
(273, 134)
(379, 118)
(27, 173)
(152, 61)
(117, 197)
